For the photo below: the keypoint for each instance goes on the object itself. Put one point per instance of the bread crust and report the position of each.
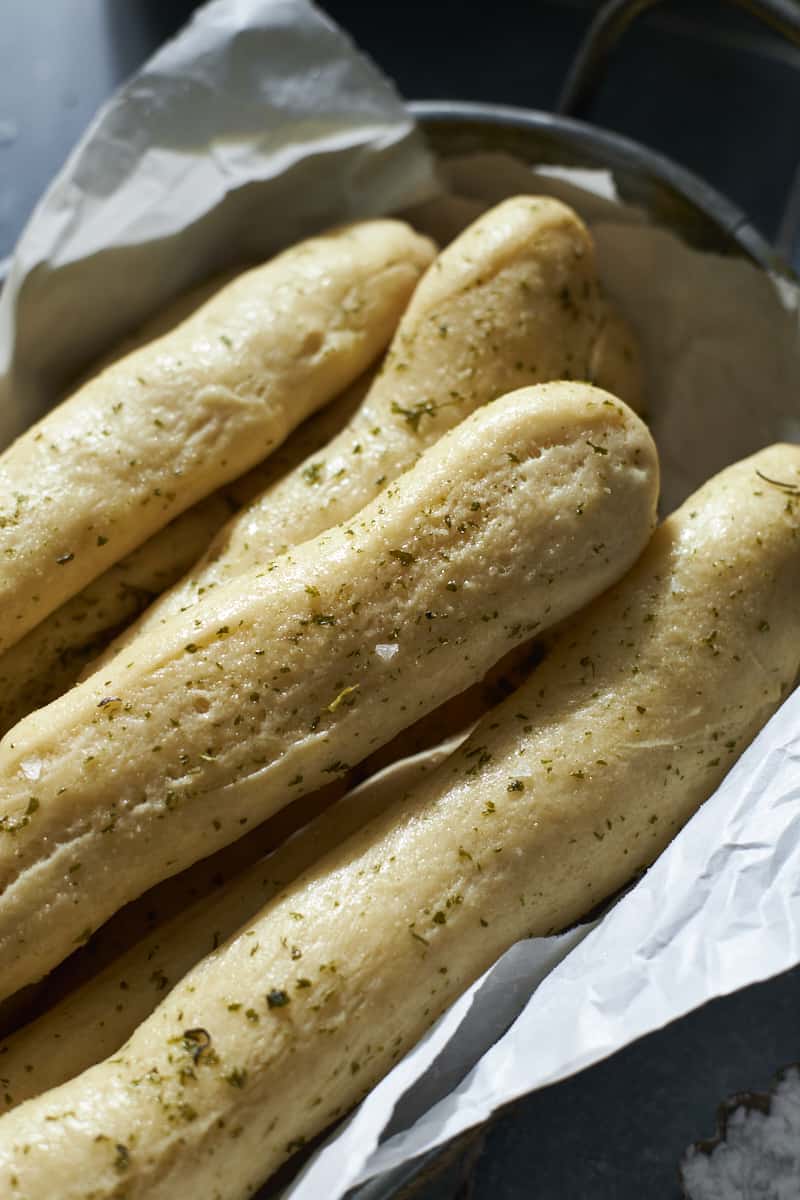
(514, 300)
(558, 798)
(167, 424)
(57, 651)
(291, 674)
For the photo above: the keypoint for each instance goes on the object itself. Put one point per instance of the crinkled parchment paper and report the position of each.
(260, 124)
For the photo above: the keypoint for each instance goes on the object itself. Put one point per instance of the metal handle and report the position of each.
(590, 65)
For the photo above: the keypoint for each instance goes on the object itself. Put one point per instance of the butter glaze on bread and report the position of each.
(514, 300)
(166, 425)
(95, 1019)
(294, 672)
(561, 796)
(54, 654)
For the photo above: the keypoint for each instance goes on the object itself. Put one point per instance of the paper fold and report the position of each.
(255, 127)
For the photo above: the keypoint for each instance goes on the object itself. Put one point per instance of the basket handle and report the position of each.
(590, 64)
(589, 67)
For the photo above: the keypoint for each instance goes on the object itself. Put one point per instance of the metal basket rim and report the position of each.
(615, 149)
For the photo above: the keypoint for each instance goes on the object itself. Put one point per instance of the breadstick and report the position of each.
(512, 301)
(52, 656)
(94, 1020)
(571, 787)
(615, 363)
(48, 659)
(167, 424)
(295, 671)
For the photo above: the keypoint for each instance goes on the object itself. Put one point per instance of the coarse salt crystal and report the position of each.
(31, 767)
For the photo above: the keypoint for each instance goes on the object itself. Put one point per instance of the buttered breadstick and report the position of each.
(615, 363)
(560, 797)
(167, 424)
(94, 1020)
(294, 672)
(513, 300)
(51, 657)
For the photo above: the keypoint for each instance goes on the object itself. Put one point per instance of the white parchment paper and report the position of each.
(258, 125)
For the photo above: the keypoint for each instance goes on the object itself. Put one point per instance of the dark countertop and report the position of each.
(619, 1130)
(703, 84)
(715, 92)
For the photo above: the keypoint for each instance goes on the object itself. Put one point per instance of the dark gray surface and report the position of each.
(618, 1131)
(715, 93)
(702, 84)
(58, 62)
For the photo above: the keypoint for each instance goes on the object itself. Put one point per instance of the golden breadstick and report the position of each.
(94, 1020)
(291, 673)
(615, 363)
(513, 300)
(52, 656)
(560, 797)
(161, 428)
